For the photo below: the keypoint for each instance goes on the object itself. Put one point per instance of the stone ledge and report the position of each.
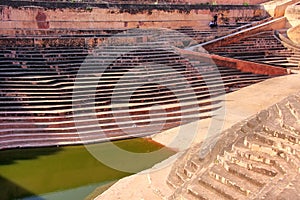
(127, 7)
(244, 66)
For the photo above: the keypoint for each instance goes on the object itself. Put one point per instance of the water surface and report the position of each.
(51, 171)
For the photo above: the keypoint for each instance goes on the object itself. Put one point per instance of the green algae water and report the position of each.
(59, 171)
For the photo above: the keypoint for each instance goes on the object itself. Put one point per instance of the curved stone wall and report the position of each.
(292, 14)
(294, 33)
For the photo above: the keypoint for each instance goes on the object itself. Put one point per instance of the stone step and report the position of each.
(286, 65)
(254, 57)
(268, 45)
(197, 79)
(204, 193)
(174, 181)
(256, 143)
(244, 186)
(281, 144)
(271, 59)
(277, 132)
(221, 189)
(293, 60)
(182, 177)
(258, 167)
(192, 165)
(248, 49)
(275, 161)
(195, 162)
(189, 170)
(247, 174)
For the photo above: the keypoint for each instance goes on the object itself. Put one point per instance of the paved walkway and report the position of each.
(239, 106)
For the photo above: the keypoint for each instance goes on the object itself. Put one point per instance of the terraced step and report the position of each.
(37, 84)
(217, 187)
(262, 157)
(178, 177)
(253, 165)
(221, 174)
(201, 192)
(249, 175)
(264, 47)
(192, 165)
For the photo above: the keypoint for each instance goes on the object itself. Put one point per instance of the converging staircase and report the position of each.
(48, 85)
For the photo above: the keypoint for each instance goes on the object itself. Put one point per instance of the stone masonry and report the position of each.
(255, 159)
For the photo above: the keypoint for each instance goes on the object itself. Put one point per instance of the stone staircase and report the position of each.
(47, 89)
(281, 35)
(203, 35)
(263, 47)
(255, 159)
(182, 37)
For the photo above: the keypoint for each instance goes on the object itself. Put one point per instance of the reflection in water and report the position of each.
(29, 172)
(74, 194)
(8, 189)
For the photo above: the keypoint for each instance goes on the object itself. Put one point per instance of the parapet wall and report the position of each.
(51, 15)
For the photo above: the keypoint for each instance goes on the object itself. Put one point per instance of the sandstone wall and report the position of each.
(292, 14)
(275, 24)
(37, 17)
(277, 8)
(227, 2)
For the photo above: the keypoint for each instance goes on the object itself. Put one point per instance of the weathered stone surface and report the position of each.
(250, 161)
(57, 15)
(264, 47)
